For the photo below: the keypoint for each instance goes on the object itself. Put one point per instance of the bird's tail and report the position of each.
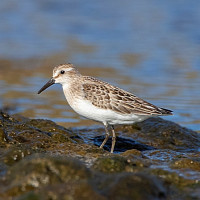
(166, 111)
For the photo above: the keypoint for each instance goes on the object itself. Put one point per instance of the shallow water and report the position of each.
(150, 48)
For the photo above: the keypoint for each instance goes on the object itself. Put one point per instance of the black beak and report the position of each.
(48, 84)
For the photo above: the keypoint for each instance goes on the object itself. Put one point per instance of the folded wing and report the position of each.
(106, 96)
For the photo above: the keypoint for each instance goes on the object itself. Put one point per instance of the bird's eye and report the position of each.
(62, 71)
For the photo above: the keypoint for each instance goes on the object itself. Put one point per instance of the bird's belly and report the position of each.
(106, 116)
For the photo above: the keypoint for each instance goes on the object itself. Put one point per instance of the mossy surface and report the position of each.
(155, 159)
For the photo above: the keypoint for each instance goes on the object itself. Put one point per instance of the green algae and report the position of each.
(41, 169)
(111, 164)
(186, 163)
(116, 164)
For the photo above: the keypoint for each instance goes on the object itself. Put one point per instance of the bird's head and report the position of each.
(61, 74)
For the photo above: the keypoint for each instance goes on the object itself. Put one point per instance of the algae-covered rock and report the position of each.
(116, 163)
(23, 130)
(14, 154)
(3, 135)
(58, 177)
(163, 134)
(76, 190)
(111, 164)
(154, 159)
(128, 185)
(40, 135)
(38, 170)
(172, 177)
(137, 186)
(30, 196)
(186, 163)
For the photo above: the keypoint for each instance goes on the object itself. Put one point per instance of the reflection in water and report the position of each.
(146, 47)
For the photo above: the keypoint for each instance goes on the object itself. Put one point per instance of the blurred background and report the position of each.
(148, 47)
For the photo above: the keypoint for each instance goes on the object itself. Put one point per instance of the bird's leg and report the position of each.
(106, 137)
(113, 139)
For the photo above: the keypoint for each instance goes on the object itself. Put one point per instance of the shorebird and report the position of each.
(101, 101)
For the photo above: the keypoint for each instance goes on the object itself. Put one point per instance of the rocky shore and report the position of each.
(154, 159)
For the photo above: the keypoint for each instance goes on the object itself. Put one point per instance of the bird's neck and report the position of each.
(72, 89)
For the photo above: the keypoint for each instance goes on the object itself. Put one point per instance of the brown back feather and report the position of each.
(104, 95)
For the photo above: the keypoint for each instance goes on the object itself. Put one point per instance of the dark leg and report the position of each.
(107, 136)
(113, 139)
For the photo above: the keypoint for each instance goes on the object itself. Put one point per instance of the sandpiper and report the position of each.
(100, 101)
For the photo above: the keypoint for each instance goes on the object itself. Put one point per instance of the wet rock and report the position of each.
(111, 164)
(40, 170)
(154, 159)
(137, 186)
(172, 177)
(30, 196)
(121, 186)
(2, 136)
(39, 135)
(58, 177)
(36, 135)
(75, 190)
(23, 130)
(116, 163)
(163, 134)
(14, 154)
(186, 163)
(132, 152)
(131, 186)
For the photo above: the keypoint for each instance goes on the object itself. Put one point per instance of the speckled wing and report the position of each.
(106, 96)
